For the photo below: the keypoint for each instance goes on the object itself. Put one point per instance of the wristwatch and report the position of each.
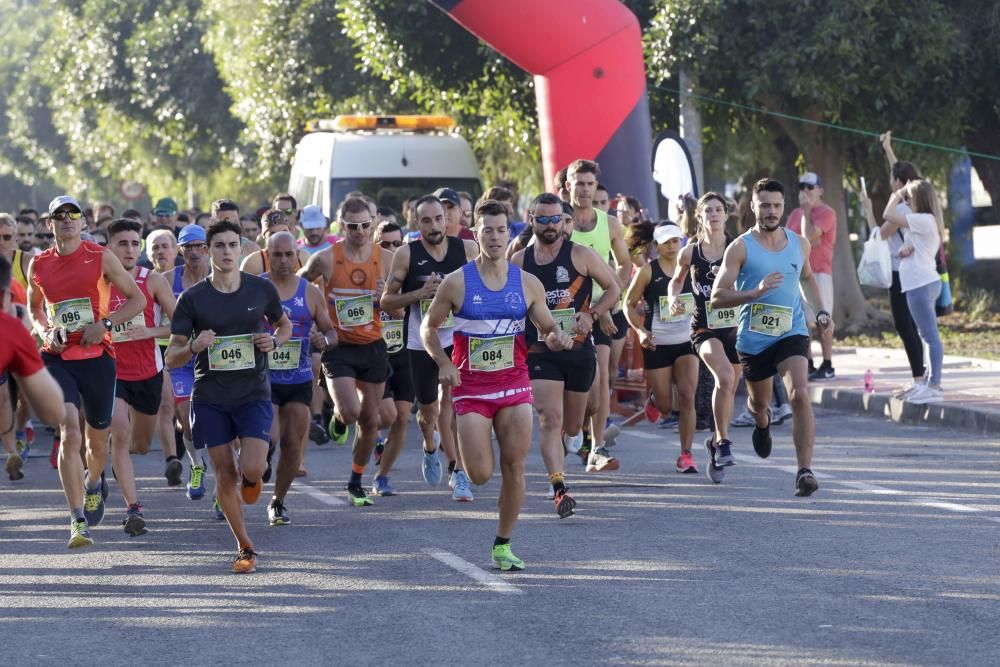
(107, 324)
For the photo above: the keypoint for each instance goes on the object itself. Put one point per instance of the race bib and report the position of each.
(231, 353)
(491, 354)
(72, 314)
(721, 318)
(120, 332)
(686, 300)
(449, 322)
(286, 357)
(392, 334)
(770, 320)
(354, 311)
(566, 319)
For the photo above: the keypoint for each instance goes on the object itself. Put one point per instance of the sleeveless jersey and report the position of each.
(422, 265)
(489, 350)
(672, 330)
(349, 293)
(136, 359)
(177, 288)
(597, 239)
(76, 293)
(16, 268)
(762, 321)
(281, 362)
(567, 292)
(702, 276)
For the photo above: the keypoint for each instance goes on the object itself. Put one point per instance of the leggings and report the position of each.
(921, 301)
(906, 328)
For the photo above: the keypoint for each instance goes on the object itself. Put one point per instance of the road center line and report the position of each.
(321, 496)
(470, 570)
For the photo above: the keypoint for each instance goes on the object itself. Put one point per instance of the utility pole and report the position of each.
(691, 128)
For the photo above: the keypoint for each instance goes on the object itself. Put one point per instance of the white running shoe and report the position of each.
(550, 494)
(780, 414)
(744, 419)
(925, 394)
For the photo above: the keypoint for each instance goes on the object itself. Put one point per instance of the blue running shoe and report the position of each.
(431, 467)
(196, 483)
(724, 453)
(382, 487)
(93, 505)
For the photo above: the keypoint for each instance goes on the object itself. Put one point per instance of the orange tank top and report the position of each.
(349, 295)
(76, 295)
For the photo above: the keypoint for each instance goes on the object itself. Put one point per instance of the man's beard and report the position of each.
(547, 240)
(435, 238)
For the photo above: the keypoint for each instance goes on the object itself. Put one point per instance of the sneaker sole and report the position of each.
(497, 565)
(610, 466)
(762, 442)
(462, 499)
(250, 571)
(173, 473)
(281, 522)
(194, 495)
(360, 502)
(14, 465)
(565, 507)
(79, 542)
(806, 487)
(135, 528)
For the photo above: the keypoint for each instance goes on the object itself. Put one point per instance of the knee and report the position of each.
(478, 475)
(727, 382)
(799, 398)
(225, 473)
(349, 414)
(550, 420)
(368, 420)
(757, 404)
(685, 397)
(663, 401)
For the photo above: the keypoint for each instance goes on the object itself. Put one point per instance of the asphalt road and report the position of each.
(893, 561)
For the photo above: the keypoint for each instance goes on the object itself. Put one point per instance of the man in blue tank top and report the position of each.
(761, 273)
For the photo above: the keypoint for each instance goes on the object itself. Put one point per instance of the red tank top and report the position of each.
(136, 359)
(76, 294)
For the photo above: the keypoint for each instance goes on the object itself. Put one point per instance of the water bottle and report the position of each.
(869, 382)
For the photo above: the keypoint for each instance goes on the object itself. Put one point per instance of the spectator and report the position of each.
(165, 213)
(818, 223)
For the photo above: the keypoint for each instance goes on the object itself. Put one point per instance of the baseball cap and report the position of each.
(811, 178)
(63, 200)
(165, 206)
(448, 195)
(312, 217)
(664, 233)
(192, 234)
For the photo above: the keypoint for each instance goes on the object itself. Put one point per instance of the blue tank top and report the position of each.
(297, 311)
(759, 263)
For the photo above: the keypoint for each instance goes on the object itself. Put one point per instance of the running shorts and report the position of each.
(726, 336)
(87, 381)
(575, 368)
(761, 366)
(366, 362)
(664, 356)
(301, 392)
(213, 425)
(143, 395)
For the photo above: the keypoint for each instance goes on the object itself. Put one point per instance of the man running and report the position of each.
(353, 273)
(561, 380)
(488, 370)
(417, 271)
(220, 323)
(315, 231)
(259, 262)
(761, 273)
(291, 365)
(68, 293)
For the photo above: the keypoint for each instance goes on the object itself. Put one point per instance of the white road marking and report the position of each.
(473, 572)
(643, 435)
(321, 496)
(870, 488)
(941, 505)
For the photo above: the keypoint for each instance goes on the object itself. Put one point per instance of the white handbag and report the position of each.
(875, 267)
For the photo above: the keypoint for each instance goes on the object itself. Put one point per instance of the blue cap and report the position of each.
(63, 200)
(192, 234)
(312, 217)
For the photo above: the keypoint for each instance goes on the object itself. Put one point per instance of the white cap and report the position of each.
(664, 233)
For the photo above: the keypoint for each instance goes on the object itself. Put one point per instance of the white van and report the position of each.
(391, 158)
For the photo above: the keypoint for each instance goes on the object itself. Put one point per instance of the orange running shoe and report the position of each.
(564, 503)
(685, 463)
(246, 561)
(250, 490)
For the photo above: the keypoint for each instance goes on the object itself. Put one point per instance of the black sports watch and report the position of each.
(107, 324)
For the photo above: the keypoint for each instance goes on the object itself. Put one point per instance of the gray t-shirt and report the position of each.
(235, 314)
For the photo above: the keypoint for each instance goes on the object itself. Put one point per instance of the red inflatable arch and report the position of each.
(590, 81)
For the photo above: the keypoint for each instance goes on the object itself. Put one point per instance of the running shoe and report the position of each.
(246, 561)
(601, 461)
(463, 488)
(564, 503)
(724, 454)
(105, 489)
(925, 394)
(671, 420)
(382, 487)
(173, 472)
(762, 438)
(572, 443)
(551, 493)
(338, 431)
(266, 477)
(217, 508)
(805, 482)
(611, 434)
(196, 483)
(743, 420)
(79, 535)
(714, 472)
(54, 454)
(780, 413)
(317, 433)
(652, 414)
(379, 448)
(277, 515)
(250, 491)
(134, 523)
(23, 449)
(504, 560)
(93, 504)
(906, 390)
(430, 467)
(685, 464)
(14, 465)
(824, 372)
(357, 496)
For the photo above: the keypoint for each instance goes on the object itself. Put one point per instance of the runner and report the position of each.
(665, 336)
(561, 380)
(194, 248)
(68, 293)
(353, 273)
(488, 370)
(315, 232)
(227, 209)
(291, 365)
(139, 369)
(593, 228)
(218, 323)
(713, 332)
(259, 262)
(761, 273)
(417, 270)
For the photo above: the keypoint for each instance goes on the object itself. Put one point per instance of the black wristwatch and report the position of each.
(107, 324)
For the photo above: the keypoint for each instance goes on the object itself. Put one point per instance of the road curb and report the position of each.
(944, 415)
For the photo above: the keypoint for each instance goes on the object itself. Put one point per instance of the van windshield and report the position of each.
(393, 192)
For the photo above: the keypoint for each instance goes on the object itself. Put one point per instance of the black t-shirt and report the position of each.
(238, 313)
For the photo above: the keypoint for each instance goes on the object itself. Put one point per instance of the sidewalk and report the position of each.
(971, 389)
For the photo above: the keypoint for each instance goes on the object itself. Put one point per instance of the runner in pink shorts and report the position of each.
(488, 369)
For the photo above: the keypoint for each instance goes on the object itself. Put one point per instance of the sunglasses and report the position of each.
(355, 226)
(6, 237)
(45, 236)
(548, 219)
(390, 244)
(63, 215)
(806, 186)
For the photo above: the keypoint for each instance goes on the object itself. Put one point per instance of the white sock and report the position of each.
(195, 457)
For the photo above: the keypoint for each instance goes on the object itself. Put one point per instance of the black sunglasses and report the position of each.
(390, 244)
(806, 186)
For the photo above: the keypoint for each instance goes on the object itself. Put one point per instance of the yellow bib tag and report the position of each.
(72, 314)
(449, 322)
(287, 357)
(392, 334)
(120, 332)
(721, 318)
(354, 311)
(686, 300)
(770, 320)
(231, 353)
(491, 354)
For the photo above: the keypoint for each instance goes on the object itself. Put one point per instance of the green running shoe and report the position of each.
(357, 496)
(338, 430)
(504, 560)
(79, 535)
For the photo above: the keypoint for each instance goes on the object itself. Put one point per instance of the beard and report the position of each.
(434, 238)
(769, 224)
(547, 236)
